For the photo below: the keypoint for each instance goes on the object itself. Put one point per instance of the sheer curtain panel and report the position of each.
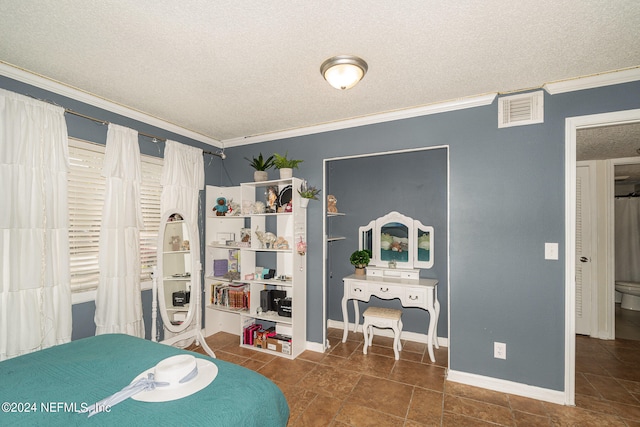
(182, 179)
(118, 299)
(35, 297)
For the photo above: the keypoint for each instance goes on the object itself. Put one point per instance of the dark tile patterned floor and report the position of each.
(343, 387)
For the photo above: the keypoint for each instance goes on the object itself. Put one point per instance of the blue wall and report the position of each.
(412, 183)
(506, 201)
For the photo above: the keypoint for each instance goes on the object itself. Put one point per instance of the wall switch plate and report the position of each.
(550, 251)
(499, 350)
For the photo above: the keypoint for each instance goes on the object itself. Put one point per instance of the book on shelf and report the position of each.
(230, 295)
(249, 333)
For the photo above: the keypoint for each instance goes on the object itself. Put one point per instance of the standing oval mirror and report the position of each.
(175, 268)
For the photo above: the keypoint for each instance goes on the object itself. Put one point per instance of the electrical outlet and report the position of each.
(499, 350)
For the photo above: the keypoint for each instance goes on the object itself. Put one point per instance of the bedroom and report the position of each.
(506, 199)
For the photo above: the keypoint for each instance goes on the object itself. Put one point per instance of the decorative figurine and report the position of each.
(234, 208)
(272, 199)
(221, 207)
(247, 207)
(281, 243)
(185, 245)
(245, 235)
(266, 239)
(175, 217)
(331, 204)
(258, 207)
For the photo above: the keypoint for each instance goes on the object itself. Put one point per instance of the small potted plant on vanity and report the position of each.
(307, 193)
(285, 165)
(360, 259)
(261, 166)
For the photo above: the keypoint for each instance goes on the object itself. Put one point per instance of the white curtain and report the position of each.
(627, 238)
(118, 300)
(182, 179)
(35, 295)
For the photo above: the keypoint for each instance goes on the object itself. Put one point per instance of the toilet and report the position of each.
(630, 294)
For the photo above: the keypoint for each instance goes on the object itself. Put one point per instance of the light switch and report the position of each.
(550, 251)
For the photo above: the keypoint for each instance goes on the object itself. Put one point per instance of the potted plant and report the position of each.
(285, 165)
(261, 166)
(307, 193)
(360, 259)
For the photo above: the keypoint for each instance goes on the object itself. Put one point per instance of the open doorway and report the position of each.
(573, 125)
(627, 247)
(608, 161)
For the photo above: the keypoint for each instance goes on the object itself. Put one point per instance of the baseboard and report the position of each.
(405, 335)
(504, 386)
(315, 346)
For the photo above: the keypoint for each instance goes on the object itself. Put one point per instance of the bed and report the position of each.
(46, 387)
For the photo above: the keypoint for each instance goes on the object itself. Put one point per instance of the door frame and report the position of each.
(325, 252)
(572, 124)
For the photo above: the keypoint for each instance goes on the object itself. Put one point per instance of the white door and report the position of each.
(584, 226)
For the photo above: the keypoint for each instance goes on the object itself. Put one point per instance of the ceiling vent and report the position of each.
(520, 110)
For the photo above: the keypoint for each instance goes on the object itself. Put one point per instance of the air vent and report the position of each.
(520, 110)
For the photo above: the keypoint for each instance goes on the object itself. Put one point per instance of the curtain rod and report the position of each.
(153, 137)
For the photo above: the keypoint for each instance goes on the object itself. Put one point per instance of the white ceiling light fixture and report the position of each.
(343, 71)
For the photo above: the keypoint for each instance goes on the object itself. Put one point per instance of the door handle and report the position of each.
(584, 259)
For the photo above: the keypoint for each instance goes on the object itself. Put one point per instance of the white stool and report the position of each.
(382, 318)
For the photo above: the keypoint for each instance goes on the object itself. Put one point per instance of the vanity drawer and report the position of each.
(385, 291)
(414, 296)
(358, 291)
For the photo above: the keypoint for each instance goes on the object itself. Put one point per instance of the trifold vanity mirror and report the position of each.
(177, 283)
(398, 241)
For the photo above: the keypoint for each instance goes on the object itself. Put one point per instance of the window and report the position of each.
(86, 196)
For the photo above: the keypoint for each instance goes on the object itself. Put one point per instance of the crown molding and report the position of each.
(41, 82)
(458, 104)
(594, 81)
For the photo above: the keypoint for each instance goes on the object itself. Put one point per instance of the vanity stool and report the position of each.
(382, 318)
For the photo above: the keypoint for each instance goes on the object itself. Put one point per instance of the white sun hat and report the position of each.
(171, 379)
(177, 377)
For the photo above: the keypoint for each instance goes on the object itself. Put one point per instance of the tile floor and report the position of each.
(627, 324)
(343, 387)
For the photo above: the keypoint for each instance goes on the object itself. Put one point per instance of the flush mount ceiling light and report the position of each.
(343, 71)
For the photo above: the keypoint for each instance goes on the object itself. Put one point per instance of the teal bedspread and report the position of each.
(48, 386)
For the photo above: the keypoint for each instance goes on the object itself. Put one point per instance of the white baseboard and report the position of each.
(504, 386)
(405, 335)
(315, 346)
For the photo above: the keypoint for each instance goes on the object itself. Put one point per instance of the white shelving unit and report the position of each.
(224, 234)
(331, 238)
(177, 269)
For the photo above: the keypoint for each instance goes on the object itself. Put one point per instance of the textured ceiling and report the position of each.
(612, 142)
(234, 68)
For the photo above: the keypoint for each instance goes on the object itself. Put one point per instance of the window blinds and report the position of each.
(86, 196)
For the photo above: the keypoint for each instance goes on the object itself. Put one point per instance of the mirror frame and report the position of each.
(369, 237)
(417, 228)
(194, 282)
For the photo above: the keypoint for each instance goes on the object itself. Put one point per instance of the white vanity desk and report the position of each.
(404, 285)
(399, 246)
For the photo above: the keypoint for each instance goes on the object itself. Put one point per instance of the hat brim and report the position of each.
(207, 372)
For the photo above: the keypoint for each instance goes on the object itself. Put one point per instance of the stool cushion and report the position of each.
(385, 313)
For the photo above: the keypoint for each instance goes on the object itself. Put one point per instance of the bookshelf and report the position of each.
(236, 259)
